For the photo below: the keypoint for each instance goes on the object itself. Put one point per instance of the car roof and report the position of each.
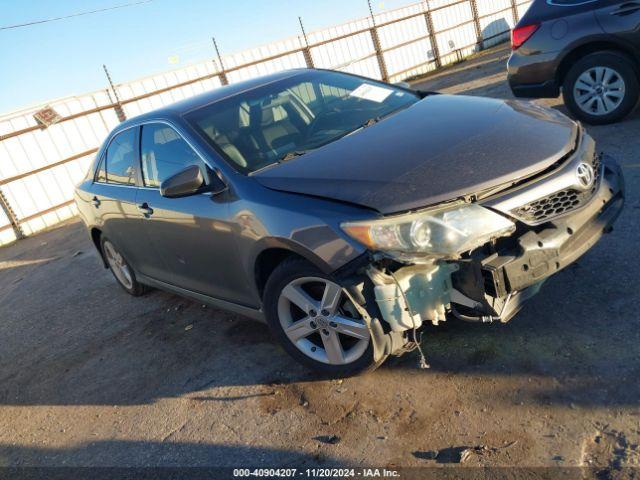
(183, 106)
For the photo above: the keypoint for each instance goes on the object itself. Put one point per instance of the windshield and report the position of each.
(282, 120)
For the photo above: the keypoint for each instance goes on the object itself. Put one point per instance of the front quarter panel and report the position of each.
(308, 226)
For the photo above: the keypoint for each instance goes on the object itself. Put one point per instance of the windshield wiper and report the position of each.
(368, 123)
(371, 121)
(292, 155)
(298, 153)
(285, 158)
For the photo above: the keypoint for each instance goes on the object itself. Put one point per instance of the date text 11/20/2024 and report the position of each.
(316, 473)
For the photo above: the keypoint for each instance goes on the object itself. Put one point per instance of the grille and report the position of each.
(560, 202)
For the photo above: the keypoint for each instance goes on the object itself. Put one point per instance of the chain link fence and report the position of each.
(39, 165)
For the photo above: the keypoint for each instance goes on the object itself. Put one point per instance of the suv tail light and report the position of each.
(519, 35)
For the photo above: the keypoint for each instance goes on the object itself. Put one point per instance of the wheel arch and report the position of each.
(96, 238)
(600, 45)
(272, 252)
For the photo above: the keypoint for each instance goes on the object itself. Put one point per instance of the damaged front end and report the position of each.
(480, 259)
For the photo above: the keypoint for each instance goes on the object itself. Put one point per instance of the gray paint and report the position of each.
(441, 148)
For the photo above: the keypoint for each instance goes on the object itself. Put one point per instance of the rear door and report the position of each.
(114, 196)
(193, 234)
(620, 18)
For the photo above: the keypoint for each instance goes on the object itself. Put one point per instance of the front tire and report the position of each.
(121, 270)
(601, 88)
(315, 322)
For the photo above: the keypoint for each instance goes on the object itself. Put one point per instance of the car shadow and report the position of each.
(103, 347)
(149, 459)
(484, 65)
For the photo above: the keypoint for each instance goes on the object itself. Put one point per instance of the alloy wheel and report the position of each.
(118, 265)
(321, 322)
(599, 90)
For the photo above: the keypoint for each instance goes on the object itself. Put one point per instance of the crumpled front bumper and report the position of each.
(493, 282)
(544, 251)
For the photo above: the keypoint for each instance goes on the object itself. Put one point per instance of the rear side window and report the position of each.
(164, 153)
(118, 166)
(101, 174)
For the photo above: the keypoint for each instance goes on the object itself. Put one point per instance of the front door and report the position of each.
(114, 201)
(193, 234)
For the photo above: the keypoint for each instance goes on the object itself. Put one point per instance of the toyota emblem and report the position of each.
(585, 175)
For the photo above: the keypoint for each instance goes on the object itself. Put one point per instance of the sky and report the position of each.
(50, 60)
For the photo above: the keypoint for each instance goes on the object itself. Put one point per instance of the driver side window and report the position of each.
(164, 153)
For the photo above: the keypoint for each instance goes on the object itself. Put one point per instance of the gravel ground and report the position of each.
(90, 376)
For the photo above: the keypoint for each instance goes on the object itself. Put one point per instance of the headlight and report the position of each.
(443, 232)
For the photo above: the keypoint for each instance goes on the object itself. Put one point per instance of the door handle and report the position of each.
(95, 201)
(146, 210)
(626, 9)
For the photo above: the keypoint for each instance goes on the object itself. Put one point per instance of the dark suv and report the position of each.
(589, 49)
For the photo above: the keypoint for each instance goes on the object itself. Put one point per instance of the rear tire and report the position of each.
(325, 335)
(121, 270)
(601, 88)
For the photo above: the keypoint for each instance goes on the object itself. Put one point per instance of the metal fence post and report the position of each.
(432, 36)
(222, 74)
(380, 56)
(476, 24)
(514, 9)
(378, 48)
(118, 106)
(308, 59)
(11, 215)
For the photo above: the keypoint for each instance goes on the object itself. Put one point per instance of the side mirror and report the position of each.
(216, 184)
(184, 183)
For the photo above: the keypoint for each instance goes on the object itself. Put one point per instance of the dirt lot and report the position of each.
(91, 376)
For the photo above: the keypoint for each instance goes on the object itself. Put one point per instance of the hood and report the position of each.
(442, 147)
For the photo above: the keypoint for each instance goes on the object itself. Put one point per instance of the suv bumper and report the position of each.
(547, 89)
(533, 76)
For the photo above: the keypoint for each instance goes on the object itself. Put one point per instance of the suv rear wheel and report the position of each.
(315, 322)
(601, 88)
